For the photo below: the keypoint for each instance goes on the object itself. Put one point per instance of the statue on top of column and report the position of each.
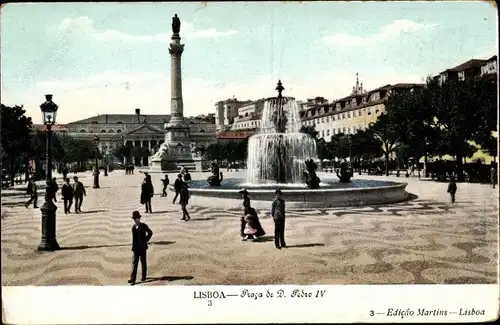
(176, 24)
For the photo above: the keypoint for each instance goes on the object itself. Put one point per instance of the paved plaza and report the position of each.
(425, 240)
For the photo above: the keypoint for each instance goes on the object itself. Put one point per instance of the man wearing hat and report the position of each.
(141, 234)
(278, 214)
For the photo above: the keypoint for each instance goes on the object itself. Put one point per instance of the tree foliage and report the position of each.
(226, 151)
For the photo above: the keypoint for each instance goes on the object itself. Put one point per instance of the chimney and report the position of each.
(106, 118)
(138, 113)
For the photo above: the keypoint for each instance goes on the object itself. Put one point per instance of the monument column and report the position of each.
(172, 153)
(176, 104)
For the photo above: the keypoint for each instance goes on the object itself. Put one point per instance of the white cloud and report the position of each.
(107, 93)
(86, 27)
(387, 32)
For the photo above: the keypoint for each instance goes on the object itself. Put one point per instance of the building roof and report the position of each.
(146, 128)
(471, 64)
(493, 58)
(234, 135)
(123, 118)
(55, 127)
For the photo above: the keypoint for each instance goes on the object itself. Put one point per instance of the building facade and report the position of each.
(145, 131)
(346, 115)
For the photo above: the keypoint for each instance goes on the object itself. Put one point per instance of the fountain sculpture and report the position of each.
(280, 156)
(344, 174)
(278, 153)
(216, 177)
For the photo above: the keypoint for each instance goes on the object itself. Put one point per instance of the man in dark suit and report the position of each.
(141, 234)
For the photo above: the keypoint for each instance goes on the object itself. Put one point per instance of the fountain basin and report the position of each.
(358, 192)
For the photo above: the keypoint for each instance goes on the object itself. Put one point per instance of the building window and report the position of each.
(82, 131)
(343, 115)
(118, 131)
(202, 131)
(348, 114)
(353, 113)
(461, 76)
(111, 131)
(328, 132)
(360, 112)
(103, 131)
(119, 122)
(376, 111)
(369, 111)
(333, 117)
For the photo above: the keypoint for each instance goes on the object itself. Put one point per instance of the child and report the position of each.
(165, 184)
(452, 188)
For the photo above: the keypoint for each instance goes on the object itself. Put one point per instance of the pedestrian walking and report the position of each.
(278, 214)
(493, 175)
(187, 175)
(177, 187)
(78, 192)
(184, 199)
(452, 188)
(165, 182)
(141, 234)
(67, 195)
(147, 192)
(33, 195)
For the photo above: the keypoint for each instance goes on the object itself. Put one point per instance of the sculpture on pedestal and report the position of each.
(345, 174)
(312, 180)
(176, 24)
(216, 178)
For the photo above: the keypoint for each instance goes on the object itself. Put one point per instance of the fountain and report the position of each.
(278, 153)
(280, 156)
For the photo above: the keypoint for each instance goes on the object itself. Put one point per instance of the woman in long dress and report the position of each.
(250, 224)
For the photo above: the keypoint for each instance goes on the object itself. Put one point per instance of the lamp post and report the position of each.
(48, 242)
(96, 168)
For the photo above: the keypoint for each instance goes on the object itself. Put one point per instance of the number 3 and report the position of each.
(210, 303)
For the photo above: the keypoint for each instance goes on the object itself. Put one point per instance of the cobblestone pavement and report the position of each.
(425, 240)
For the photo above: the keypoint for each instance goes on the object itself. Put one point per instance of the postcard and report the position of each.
(249, 162)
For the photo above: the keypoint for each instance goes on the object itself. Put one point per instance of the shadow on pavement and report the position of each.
(305, 245)
(167, 278)
(164, 242)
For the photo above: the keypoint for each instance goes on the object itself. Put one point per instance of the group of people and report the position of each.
(181, 189)
(251, 229)
(69, 192)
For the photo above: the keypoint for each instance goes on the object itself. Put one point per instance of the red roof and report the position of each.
(236, 135)
(55, 127)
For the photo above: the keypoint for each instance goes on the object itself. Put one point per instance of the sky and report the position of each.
(110, 58)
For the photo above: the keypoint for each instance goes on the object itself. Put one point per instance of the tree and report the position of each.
(121, 152)
(364, 145)
(16, 129)
(388, 134)
(309, 130)
(464, 112)
(229, 151)
(340, 146)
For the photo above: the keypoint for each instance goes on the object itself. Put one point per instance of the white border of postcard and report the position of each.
(232, 304)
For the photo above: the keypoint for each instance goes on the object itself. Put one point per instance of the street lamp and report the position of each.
(96, 168)
(48, 242)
